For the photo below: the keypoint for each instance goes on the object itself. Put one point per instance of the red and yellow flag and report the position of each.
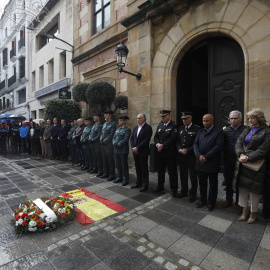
(91, 207)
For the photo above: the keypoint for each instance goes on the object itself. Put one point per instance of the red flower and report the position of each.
(52, 204)
(23, 215)
(24, 223)
(41, 224)
(54, 198)
(17, 217)
(62, 202)
(63, 215)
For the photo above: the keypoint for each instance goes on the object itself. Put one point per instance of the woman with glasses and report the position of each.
(252, 145)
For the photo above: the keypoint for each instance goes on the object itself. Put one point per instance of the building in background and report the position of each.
(14, 80)
(201, 56)
(50, 66)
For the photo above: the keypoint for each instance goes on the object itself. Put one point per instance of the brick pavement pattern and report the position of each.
(155, 232)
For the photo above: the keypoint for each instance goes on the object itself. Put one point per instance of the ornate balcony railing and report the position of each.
(11, 80)
(2, 84)
(21, 43)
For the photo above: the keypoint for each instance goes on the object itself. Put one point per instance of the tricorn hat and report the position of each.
(124, 117)
(108, 112)
(185, 115)
(165, 112)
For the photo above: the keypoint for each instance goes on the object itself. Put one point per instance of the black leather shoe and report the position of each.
(111, 178)
(181, 195)
(224, 183)
(192, 199)
(84, 168)
(125, 183)
(158, 189)
(143, 189)
(104, 176)
(200, 204)
(210, 207)
(94, 171)
(135, 186)
(89, 170)
(117, 181)
(174, 194)
(79, 165)
(99, 174)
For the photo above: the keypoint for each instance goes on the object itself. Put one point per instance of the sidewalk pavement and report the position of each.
(155, 232)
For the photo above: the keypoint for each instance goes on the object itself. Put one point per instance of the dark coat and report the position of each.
(208, 144)
(167, 137)
(120, 140)
(266, 191)
(63, 132)
(78, 133)
(260, 144)
(185, 140)
(230, 137)
(54, 131)
(142, 141)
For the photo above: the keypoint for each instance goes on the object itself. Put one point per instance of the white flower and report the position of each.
(47, 201)
(31, 213)
(71, 206)
(56, 205)
(17, 223)
(25, 210)
(20, 221)
(13, 215)
(61, 210)
(32, 223)
(20, 214)
(32, 229)
(48, 219)
(42, 215)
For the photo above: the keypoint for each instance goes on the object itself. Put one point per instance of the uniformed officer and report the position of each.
(86, 145)
(16, 139)
(121, 149)
(186, 158)
(165, 139)
(94, 139)
(106, 137)
(70, 141)
(3, 136)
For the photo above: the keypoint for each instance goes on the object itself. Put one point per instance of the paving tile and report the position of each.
(129, 204)
(43, 266)
(143, 198)
(178, 224)
(153, 266)
(190, 249)
(261, 259)
(100, 266)
(9, 191)
(95, 180)
(217, 259)
(191, 214)
(54, 181)
(204, 234)
(127, 258)
(141, 225)
(215, 223)
(170, 207)
(116, 197)
(17, 200)
(265, 242)
(248, 232)
(227, 214)
(76, 258)
(83, 184)
(67, 188)
(104, 192)
(104, 245)
(237, 247)
(163, 236)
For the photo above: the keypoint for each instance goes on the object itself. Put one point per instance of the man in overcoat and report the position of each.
(207, 148)
(139, 142)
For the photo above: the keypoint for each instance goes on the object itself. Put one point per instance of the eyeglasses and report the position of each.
(233, 118)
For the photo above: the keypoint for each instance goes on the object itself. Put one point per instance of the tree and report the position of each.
(100, 95)
(79, 91)
(62, 109)
(121, 102)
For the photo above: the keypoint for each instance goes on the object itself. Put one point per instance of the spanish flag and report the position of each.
(90, 207)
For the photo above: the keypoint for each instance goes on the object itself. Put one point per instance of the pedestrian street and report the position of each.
(155, 232)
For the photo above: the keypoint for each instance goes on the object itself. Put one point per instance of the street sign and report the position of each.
(64, 94)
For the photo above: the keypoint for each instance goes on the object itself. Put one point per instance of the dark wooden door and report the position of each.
(226, 78)
(211, 80)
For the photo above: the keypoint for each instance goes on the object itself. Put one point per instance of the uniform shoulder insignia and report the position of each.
(175, 130)
(197, 126)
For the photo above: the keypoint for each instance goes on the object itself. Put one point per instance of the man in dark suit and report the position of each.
(139, 142)
(207, 148)
(165, 139)
(186, 158)
(62, 138)
(54, 138)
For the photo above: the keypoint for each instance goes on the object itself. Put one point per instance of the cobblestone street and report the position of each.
(155, 232)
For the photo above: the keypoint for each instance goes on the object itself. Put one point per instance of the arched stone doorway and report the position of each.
(210, 78)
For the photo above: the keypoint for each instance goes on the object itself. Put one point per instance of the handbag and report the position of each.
(254, 166)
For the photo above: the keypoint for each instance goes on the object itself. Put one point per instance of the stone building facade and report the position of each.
(200, 55)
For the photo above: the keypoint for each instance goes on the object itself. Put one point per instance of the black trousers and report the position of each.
(187, 165)
(229, 166)
(213, 187)
(164, 160)
(108, 161)
(64, 149)
(141, 165)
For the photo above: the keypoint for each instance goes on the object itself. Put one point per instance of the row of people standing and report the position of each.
(96, 148)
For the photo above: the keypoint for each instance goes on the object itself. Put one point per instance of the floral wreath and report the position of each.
(29, 217)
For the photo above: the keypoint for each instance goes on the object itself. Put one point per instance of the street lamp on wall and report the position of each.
(121, 52)
(52, 36)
